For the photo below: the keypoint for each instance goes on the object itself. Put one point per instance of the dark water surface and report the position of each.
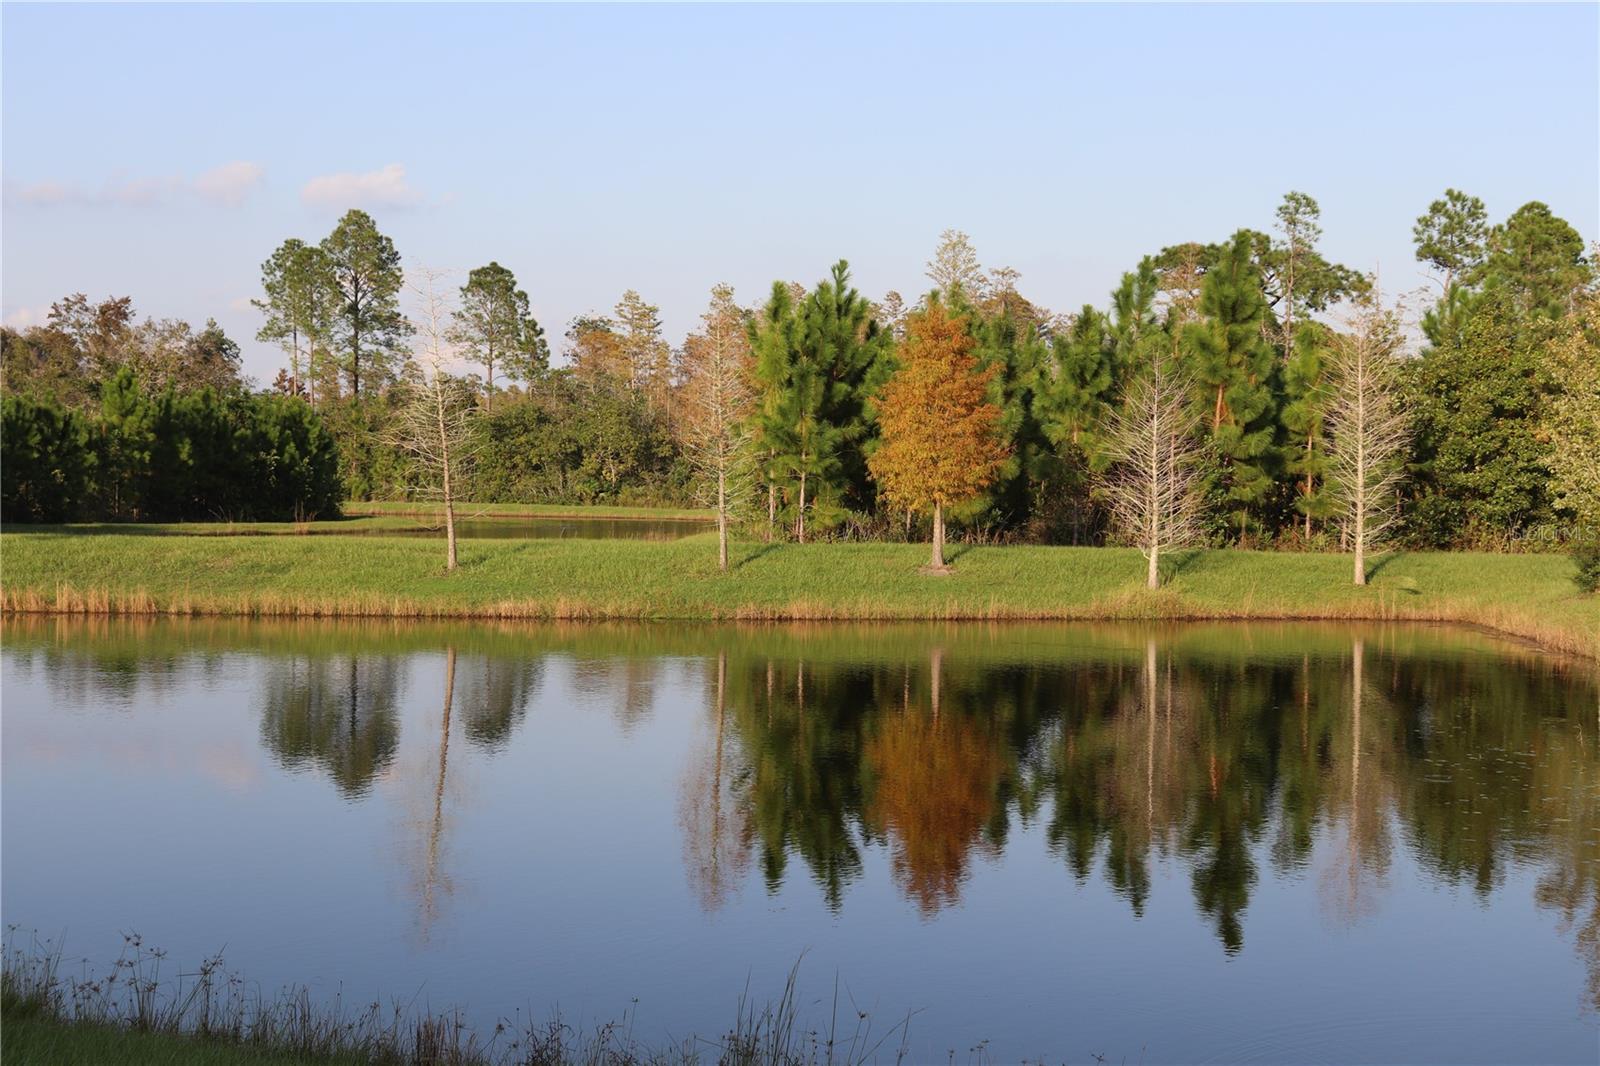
(1275, 843)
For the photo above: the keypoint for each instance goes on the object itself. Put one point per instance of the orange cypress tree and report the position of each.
(940, 441)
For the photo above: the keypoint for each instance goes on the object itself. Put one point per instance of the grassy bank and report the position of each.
(425, 509)
(135, 1015)
(103, 572)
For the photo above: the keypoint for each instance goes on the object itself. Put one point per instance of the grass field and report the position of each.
(423, 508)
(111, 570)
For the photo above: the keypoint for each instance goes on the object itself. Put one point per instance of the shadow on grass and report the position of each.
(750, 557)
(1174, 563)
(1374, 569)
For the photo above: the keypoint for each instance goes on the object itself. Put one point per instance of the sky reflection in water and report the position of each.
(1278, 842)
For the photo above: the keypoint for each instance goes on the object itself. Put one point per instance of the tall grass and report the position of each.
(192, 1015)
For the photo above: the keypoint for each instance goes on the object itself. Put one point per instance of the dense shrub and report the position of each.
(167, 456)
(47, 461)
(1586, 554)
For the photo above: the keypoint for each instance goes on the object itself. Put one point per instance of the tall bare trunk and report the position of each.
(937, 560)
(722, 518)
(772, 509)
(449, 497)
(1361, 520)
(1152, 577)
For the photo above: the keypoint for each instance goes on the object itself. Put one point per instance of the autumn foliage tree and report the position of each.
(941, 444)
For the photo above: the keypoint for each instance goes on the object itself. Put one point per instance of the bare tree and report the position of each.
(434, 420)
(1368, 428)
(1153, 482)
(955, 266)
(717, 363)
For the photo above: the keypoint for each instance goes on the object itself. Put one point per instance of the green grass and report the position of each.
(208, 1018)
(430, 509)
(47, 1042)
(97, 571)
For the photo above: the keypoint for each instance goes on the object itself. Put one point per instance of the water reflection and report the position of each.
(1176, 752)
(1235, 756)
(336, 713)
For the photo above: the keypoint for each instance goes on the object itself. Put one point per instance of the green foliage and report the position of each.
(300, 307)
(495, 327)
(1006, 340)
(368, 329)
(1586, 556)
(1306, 393)
(819, 363)
(168, 456)
(1483, 465)
(1452, 236)
(1537, 260)
(47, 461)
(1234, 370)
(576, 441)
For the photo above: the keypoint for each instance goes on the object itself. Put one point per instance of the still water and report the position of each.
(1274, 843)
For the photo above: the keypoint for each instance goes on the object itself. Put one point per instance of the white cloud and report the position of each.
(21, 318)
(376, 188)
(230, 183)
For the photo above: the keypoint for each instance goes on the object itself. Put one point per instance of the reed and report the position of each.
(137, 1013)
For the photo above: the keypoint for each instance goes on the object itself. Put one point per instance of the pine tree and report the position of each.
(300, 306)
(368, 329)
(1006, 341)
(1233, 368)
(819, 362)
(494, 327)
(1306, 395)
(941, 434)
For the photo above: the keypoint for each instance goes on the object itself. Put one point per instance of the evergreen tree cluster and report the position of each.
(166, 456)
(1251, 321)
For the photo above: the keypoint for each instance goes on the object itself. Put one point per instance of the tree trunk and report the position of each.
(772, 509)
(449, 498)
(1361, 540)
(937, 559)
(1152, 577)
(722, 519)
(800, 515)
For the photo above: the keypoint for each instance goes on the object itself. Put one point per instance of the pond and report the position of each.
(1187, 843)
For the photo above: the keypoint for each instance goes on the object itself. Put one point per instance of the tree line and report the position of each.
(822, 413)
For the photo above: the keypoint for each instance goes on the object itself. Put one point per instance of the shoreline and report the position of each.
(1529, 598)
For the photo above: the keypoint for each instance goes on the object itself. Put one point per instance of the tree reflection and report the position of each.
(1205, 756)
(336, 713)
(933, 792)
(495, 696)
(712, 809)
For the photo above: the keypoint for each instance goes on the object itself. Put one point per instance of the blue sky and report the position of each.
(163, 152)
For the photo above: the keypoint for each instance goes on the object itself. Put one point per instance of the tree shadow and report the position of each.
(952, 552)
(761, 549)
(1374, 569)
(1175, 563)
